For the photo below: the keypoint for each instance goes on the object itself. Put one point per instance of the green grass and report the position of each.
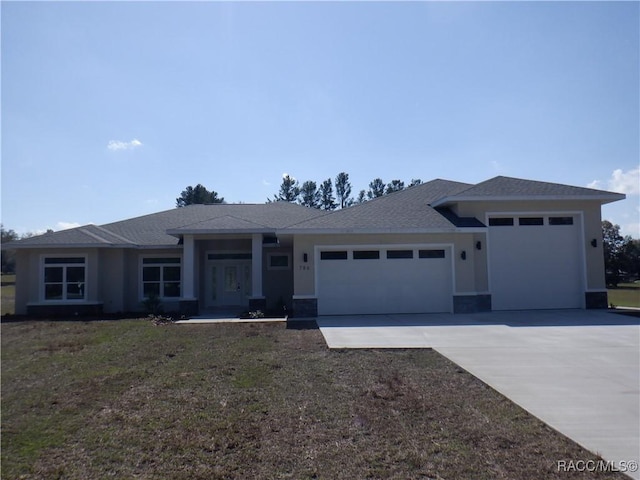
(7, 300)
(125, 399)
(625, 295)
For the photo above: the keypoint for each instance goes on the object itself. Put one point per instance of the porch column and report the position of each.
(188, 268)
(256, 266)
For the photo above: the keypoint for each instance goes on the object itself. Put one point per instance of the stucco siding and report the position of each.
(464, 270)
(111, 287)
(277, 284)
(23, 288)
(591, 228)
(29, 276)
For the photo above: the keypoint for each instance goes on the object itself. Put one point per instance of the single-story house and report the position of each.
(442, 246)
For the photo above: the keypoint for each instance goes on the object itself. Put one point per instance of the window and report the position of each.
(278, 261)
(501, 222)
(528, 221)
(431, 253)
(394, 254)
(64, 278)
(560, 220)
(366, 254)
(161, 277)
(336, 255)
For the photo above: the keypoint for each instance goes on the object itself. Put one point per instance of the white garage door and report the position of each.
(384, 280)
(535, 262)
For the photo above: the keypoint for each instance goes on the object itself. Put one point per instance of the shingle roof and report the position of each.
(418, 208)
(517, 188)
(88, 235)
(405, 210)
(151, 230)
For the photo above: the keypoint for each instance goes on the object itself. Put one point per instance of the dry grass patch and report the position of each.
(125, 399)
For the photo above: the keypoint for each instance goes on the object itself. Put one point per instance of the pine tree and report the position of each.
(376, 188)
(289, 189)
(394, 186)
(309, 195)
(327, 200)
(197, 195)
(343, 189)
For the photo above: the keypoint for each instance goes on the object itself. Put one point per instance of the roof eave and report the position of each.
(32, 246)
(367, 231)
(603, 199)
(177, 232)
(76, 246)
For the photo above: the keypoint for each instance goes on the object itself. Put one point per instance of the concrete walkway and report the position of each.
(578, 371)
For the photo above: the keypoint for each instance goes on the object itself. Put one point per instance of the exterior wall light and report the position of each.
(463, 255)
(478, 245)
(594, 243)
(305, 257)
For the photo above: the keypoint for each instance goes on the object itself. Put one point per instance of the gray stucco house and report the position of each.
(442, 246)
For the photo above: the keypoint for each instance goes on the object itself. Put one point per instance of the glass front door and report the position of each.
(228, 284)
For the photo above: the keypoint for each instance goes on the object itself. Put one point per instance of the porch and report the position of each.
(227, 275)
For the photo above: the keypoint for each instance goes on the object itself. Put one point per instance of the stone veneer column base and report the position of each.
(189, 308)
(305, 307)
(258, 303)
(471, 303)
(594, 300)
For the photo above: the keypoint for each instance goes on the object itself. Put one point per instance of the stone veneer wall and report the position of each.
(305, 307)
(595, 300)
(189, 308)
(471, 303)
(77, 310)
(258, 304)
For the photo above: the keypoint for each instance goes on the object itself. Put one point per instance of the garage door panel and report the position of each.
(396, 285)
(535, 266)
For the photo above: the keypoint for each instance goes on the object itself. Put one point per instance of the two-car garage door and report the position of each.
(535, 262)
(355, 280)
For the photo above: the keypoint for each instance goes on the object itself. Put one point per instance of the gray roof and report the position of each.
(406, 210)
(421, 208)
(151, 230)
(508, 188)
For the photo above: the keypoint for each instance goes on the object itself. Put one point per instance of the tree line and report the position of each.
(8, 257)
(621, 255)
(321, 196)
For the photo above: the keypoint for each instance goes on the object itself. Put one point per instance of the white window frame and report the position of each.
(161, 281)
(64, 299)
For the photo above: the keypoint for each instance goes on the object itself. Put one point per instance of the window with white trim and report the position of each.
(161, 277)
(279, 261)
(64, 278)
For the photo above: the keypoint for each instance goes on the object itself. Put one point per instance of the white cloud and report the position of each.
(115, 145)
(625, 182)
(622, 182)
(264, 182)
(66, 225)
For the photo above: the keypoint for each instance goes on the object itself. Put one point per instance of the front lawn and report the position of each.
(126, 399)
(625, 295)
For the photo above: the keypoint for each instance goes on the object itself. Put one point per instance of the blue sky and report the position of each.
(109, 110)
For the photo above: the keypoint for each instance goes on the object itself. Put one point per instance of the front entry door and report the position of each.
(228, 284)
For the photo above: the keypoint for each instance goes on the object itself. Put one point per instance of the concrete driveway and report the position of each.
(578, 371)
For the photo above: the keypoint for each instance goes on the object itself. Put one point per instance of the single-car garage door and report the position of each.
(535, 262)
(357, 280)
